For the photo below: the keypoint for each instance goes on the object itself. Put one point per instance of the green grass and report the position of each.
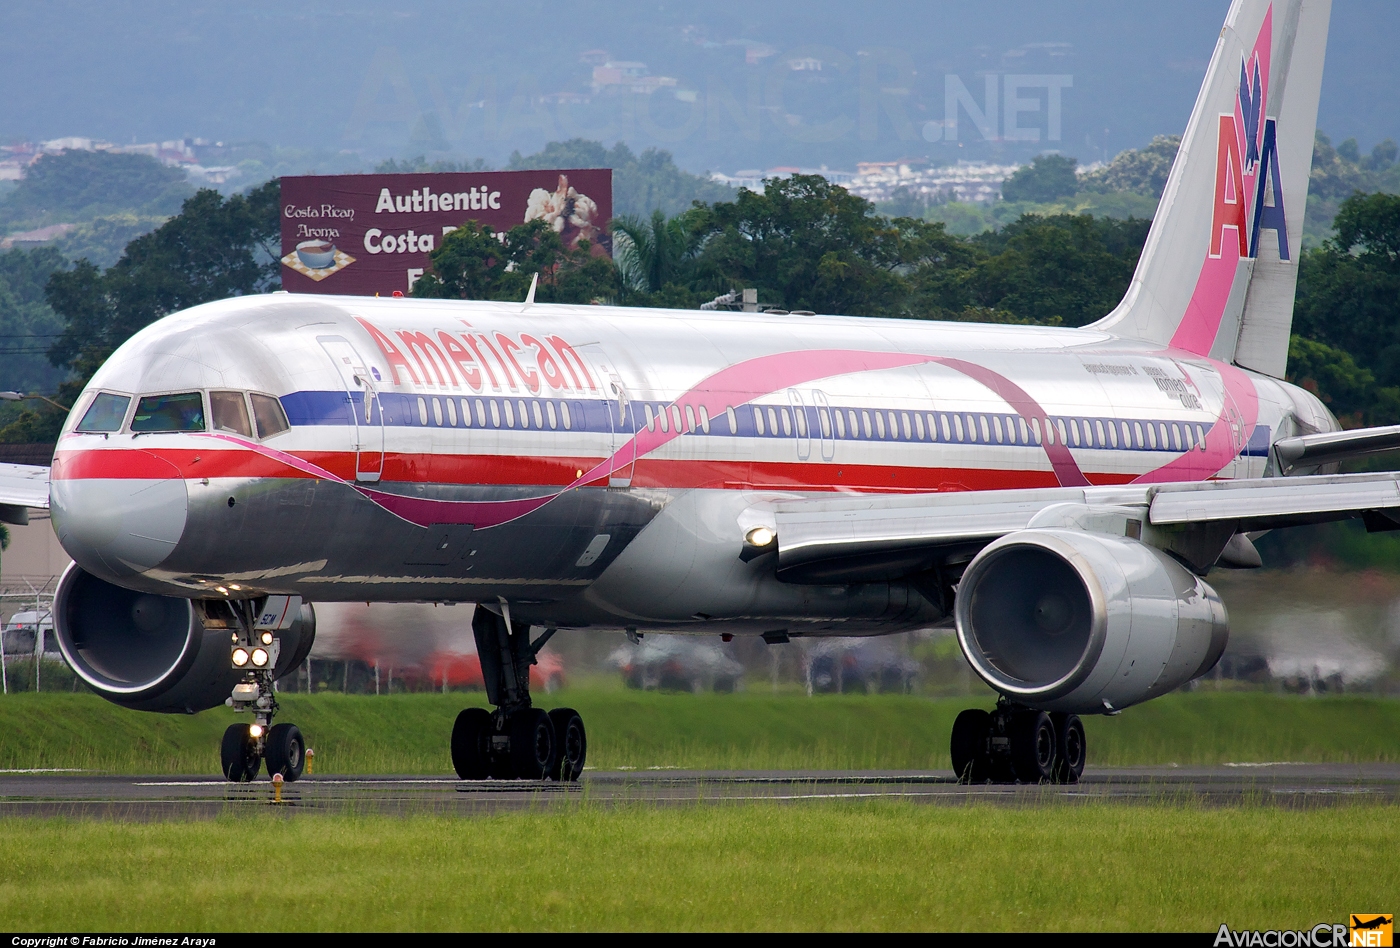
(409, 733)
(866, 866)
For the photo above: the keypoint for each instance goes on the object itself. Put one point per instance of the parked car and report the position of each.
(19, 633)
(845, 665)
(677, 663)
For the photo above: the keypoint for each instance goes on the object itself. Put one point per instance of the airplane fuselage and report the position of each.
(593, 466)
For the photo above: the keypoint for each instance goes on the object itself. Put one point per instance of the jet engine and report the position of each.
(157, 653)
(1066, 620)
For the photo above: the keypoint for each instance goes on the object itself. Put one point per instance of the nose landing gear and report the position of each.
(1017, 744)
(517, 740)
(246, 746)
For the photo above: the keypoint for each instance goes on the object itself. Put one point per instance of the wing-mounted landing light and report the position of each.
(758, 541)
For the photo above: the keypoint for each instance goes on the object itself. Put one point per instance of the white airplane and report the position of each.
(1056, 494)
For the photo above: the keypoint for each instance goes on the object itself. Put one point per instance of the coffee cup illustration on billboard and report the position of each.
(317, 258)
(571, 215)
(316, 254)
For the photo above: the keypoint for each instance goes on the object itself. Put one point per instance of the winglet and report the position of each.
(530, 297)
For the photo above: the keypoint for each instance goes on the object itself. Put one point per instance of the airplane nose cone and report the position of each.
(116, 526)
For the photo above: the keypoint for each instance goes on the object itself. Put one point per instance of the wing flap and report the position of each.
(1265, 503)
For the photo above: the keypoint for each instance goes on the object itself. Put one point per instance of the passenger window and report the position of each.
(183, 412)
(229, 413)
(880, 424)
(840, 423)
(553, 418)
(824, 420)
(268, 413)
(106, 413)
(422, 410)
(451, 412)
(565, 417)
(919, 425)
(704, 420)
(758, 419)
(651, 418)
(733, 419)
(666, 420)
(437, 411)
(689, 419)
(787, 424)
(676, 418)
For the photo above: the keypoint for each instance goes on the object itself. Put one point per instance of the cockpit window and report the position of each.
(106, 413)
(270, 417)
(229, 413)
(182, 412)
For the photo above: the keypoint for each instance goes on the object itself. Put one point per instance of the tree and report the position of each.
(1136, 170)
(1349, 300)
(215, 248)
(806, 244)
(1047, 178)
(28, 326)
(82, 185)
(652, 254)
(475, 263)
(1066, 269)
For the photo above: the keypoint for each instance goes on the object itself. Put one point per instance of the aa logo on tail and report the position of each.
(1248, 182)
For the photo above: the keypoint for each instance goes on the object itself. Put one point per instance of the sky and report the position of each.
(381, 78)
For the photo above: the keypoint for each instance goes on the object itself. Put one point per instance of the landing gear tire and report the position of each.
(1069, 747)
(239, 754)
(471, 744)
(570, 743)
(1033, 746)
(285, 750)
(532, 752)
(968, 748)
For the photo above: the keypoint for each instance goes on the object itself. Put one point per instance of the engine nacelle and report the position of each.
(156, 653)
(1065, 620)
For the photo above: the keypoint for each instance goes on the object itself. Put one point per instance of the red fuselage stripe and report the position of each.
(557, 472)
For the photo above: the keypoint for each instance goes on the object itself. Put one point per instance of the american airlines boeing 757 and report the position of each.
(1057, 495)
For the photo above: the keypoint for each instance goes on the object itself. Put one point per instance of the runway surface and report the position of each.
(96, 795)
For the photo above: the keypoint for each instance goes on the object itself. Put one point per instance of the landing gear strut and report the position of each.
(246, 746)
(1017, 744)
(517, 740)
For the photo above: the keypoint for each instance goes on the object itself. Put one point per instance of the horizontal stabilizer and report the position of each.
(1332, 446)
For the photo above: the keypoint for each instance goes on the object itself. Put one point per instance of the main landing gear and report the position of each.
(1017, 744)
(246, 746)
(517, 740)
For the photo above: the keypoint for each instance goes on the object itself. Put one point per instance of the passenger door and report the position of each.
(362, 404)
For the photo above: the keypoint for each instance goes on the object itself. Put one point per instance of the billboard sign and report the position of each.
(367, 234)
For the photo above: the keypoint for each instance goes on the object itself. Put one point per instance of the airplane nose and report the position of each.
(115, 525)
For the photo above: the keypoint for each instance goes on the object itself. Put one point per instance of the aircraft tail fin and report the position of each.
(1218, 272)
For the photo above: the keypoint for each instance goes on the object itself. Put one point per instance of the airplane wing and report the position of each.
(868, 538)
(22, 486)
